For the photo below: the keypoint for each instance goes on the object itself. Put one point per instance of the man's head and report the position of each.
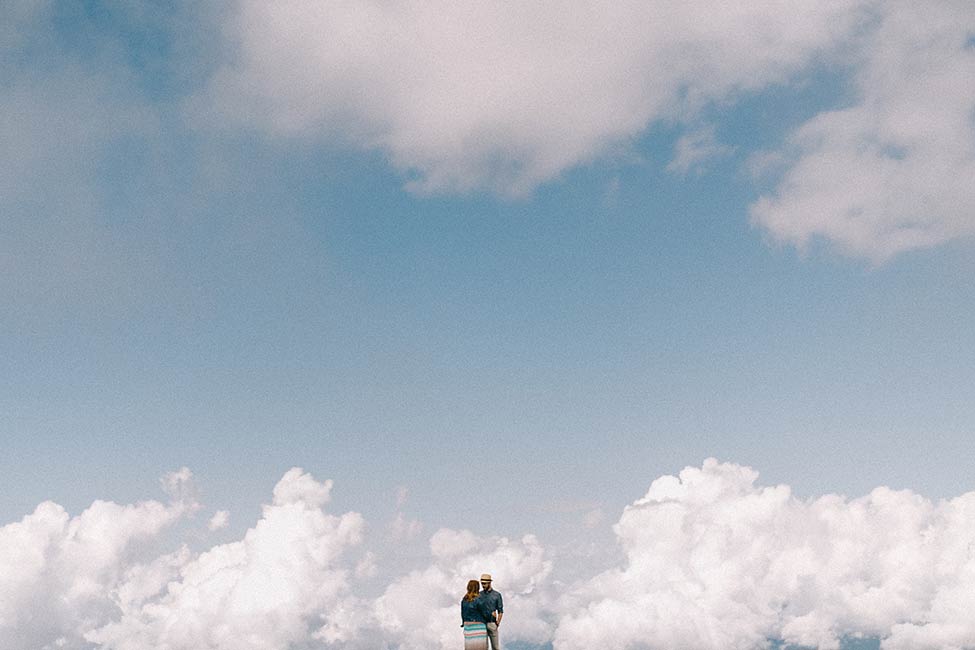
(485, 580)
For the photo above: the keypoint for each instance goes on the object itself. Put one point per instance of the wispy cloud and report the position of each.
(696, 147)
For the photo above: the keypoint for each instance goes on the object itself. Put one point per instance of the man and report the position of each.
(493, 607)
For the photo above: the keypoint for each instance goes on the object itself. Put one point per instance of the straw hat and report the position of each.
(485, 577)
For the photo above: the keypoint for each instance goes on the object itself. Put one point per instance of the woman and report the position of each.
(475, 630)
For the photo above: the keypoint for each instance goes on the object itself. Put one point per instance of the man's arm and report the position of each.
(500, 608)
(482, 607)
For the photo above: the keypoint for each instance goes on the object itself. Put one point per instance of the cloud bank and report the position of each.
(712, 560)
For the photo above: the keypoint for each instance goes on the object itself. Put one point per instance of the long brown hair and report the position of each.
(473, 589)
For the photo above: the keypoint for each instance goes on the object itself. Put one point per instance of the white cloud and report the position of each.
(449, 543)
(505, 96)
(895, 171)
(297, 487)
(181, 489)
(593, 518)
(271, 590)
(403, 528)
(59, 571)
(500, 95)
(695, 147)
(366, 567)
(714, 561)
(219, 520)
(402, 495)
(488, 95)
(421, 609)
(711, 560)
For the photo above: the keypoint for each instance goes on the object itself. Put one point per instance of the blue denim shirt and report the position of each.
(490, 602)
(472, 610)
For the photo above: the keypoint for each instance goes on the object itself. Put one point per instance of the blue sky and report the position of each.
(213, 261)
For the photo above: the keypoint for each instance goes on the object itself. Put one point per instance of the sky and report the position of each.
(663, 314)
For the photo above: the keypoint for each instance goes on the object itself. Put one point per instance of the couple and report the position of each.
(481, 612)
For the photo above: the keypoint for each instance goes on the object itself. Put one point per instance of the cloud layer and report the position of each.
(712, 560)
(501, 97)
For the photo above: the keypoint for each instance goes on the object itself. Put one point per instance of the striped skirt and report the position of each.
(475, 636)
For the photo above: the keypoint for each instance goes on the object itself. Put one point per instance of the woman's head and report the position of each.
(473, 589)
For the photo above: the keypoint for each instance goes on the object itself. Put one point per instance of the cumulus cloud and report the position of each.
(520, 571)
(711, 560)
(420, 608)
(715, 561)
(59, 572)
(896, 170)
(271, 590)
(499, 95)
